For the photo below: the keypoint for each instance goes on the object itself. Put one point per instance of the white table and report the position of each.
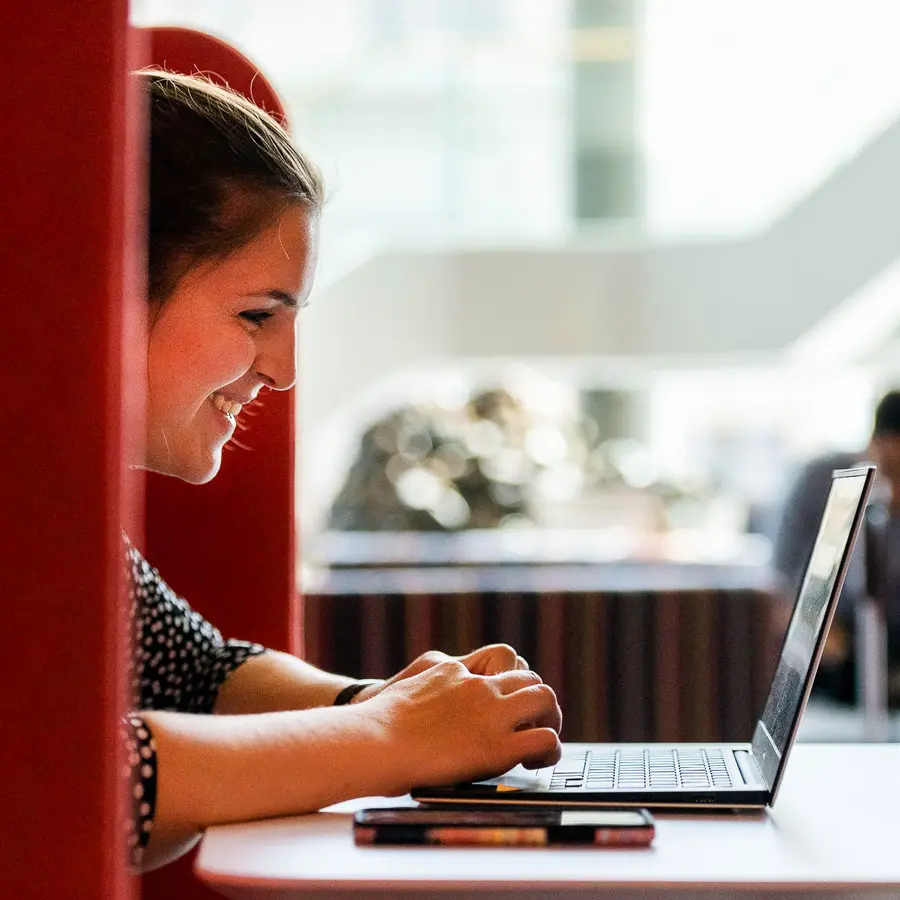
(818, 841)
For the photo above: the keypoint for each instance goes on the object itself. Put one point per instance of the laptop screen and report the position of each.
(813, 610)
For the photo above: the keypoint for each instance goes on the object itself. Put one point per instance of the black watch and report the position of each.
(345, 695)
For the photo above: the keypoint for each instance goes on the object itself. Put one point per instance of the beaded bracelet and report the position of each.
(345, 695)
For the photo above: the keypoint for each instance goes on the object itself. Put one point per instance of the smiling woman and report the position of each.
(233, 218)
(242, 339)
(234, 213)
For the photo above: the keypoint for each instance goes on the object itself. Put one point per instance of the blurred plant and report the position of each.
(489, 461)
(433, 467)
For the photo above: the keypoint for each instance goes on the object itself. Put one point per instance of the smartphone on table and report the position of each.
(504, 827)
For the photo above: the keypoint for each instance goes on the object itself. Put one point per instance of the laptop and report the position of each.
(733, 776)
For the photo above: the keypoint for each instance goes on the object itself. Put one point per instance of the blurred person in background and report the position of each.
(878, 547)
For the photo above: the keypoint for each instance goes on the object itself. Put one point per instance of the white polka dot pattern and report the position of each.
(176, 661)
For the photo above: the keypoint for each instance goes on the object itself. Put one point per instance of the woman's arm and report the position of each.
(216, 769)
(278, 681)
(438, 727)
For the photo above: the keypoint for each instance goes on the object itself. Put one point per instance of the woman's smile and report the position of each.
(227, 405)
(225, 412)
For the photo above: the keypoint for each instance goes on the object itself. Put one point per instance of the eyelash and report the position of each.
(256, 317)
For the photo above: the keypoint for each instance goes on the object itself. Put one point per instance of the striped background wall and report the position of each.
(685, 665)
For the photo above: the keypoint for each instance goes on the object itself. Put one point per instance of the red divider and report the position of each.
(68, 128)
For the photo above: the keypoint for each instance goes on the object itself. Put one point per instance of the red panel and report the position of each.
(228, 546)
(188, 51)
(64, 110)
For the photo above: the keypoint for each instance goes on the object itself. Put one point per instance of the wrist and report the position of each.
(352, 693)
(371, 687)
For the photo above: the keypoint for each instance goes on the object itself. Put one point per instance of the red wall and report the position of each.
(66, 296)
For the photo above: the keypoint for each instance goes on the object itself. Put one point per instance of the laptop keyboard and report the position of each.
(634, 770)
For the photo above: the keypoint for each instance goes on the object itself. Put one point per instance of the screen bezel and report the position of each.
(770, 762)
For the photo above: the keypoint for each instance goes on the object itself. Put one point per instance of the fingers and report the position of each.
(509, 682)
(535, 706)
(422, 663)
(538, 747)
(428, 660)
(493, 659)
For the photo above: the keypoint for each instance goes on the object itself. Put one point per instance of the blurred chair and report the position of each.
(229, 546)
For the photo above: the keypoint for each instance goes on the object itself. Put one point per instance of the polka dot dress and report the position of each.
(178, 661)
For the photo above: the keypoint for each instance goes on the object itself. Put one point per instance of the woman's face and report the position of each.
(226, 332)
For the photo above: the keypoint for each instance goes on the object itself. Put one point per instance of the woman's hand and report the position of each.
(447, 724)
(489, 660)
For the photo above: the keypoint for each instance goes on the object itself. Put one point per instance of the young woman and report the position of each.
(234, 211)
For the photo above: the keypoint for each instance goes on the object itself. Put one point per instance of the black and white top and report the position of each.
(178, 661)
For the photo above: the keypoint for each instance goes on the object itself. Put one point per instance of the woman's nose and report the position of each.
(276, 363)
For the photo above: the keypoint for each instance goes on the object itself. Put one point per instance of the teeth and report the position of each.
(229, 407)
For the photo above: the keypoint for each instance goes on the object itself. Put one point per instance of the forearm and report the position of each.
(218, 769)
(277, 681)
(440, 726)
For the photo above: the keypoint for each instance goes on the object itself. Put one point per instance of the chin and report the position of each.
(204, 478)
(189, 461)
(203, 475)
(192, 472)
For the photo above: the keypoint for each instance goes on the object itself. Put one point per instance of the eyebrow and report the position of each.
(289, 300)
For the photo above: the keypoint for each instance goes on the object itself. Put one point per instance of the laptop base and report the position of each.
(657, 776)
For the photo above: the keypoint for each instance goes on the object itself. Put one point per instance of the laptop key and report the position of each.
(570, 766)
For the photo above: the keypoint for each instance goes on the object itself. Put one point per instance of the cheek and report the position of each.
(184, 368)
(218, 360)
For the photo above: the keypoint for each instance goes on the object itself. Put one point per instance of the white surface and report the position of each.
(817, 841)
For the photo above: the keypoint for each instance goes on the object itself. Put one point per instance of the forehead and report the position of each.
(284, 252)
(281, 257)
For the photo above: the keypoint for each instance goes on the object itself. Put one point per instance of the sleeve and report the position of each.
(180, 659)
(176, 661)
(139, 773)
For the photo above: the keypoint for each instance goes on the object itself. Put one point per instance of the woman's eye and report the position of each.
(257, 317)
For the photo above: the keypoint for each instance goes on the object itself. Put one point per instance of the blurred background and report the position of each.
(597, 278)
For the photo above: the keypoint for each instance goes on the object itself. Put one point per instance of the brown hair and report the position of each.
(221, 170)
